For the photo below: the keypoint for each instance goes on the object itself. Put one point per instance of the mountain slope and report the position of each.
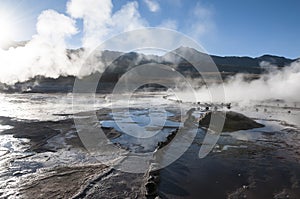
(123, 62)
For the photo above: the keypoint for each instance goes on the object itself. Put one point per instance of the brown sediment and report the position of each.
(86, 181)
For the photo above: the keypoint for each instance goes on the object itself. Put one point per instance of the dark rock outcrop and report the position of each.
(233, 121)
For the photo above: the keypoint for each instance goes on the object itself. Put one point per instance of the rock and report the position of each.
(168, 140)
(111, 133)
(228, 106)
(151, 188)
(152, 181)
(233, 122)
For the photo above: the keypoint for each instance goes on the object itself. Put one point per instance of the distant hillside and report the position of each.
(248, 64)
(234, 64)
(123, 62)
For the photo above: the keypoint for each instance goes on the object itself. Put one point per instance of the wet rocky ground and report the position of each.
(53, 163)
(44, 158)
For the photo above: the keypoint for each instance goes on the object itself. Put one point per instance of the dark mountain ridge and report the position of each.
(123, 62)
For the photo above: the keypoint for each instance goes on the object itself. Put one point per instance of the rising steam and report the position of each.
(276, 84)
(46, 55)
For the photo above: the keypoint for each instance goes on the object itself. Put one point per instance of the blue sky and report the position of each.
(241, 28)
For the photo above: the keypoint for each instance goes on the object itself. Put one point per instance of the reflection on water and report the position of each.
(44, 106)
(255, 163)
(136, 122)
(12, 150)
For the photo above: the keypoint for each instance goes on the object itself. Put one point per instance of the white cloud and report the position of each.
(200, 22)
(96, 16)
(100, 23)
(169, 23)
(202, 12)
(152, 5)
(128, 18)
(54, 27)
